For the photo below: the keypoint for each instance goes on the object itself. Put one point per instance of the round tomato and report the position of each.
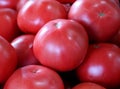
(88, 85)
(8, 24)
(34, 77)
(23, 45)
(100, 18)
(8, 60)
(101, 65)
(61, 44)
(34, 14)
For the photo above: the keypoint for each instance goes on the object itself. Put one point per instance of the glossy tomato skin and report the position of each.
(20, 4)
(34, 77)
(23, 45)
(101, 18)
(8, 60)
(35, 14)
(8, 4)
(88, 85)
(101, 65)
(61, 44)
(8, 24)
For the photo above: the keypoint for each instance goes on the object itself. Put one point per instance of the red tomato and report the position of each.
(61, 44)
(8, 24)
(88, 85)
(101, 18)
(23, 45)
(34, 77)
(8, 60)
(101, 65)
(35, 14)
(8, 4)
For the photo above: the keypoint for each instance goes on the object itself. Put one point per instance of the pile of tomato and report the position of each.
(59, 44)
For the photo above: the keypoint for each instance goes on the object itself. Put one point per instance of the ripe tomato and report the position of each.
(8, 24)
(88, 85)
(61, 44)
(34, 77)
(101, 65)
(8, 60)
(23, 45)
(101, 18)
(8, 4)
(34, 14)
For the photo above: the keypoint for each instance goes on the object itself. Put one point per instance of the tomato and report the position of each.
(34, 14)
(8, 60)
(23, 45)
(61, 44)
(101, 65)
(8, 24)
(100, 18)
(8, 4)
(34, 77)
(88, 85)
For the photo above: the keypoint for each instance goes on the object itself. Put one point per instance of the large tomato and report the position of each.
(61, 44)
(8, 24)
(34, 77)
(23, 45)
(101, 65)
(100, 18)
(8, 60)
(35, 13)
(88, 85)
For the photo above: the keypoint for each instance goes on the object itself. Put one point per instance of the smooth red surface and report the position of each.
(100, 18)
(8, 24)
(34, 77)
(88, 85)
(8, 4)
(35, 14)
(101, 65)
(8, 60)
(61, 44)
(23, 45)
